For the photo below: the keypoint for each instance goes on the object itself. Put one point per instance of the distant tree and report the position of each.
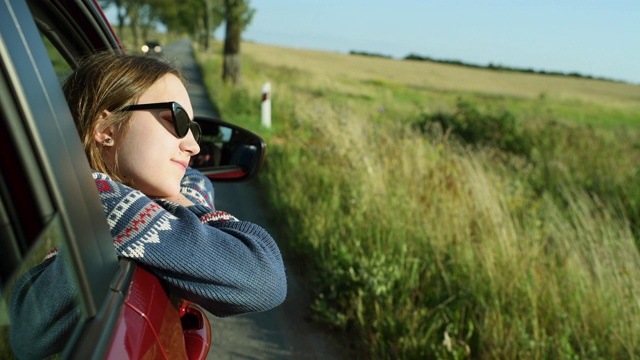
(149, 15)
(181, 16)
(237, 15)
(212, 17)
(121, 11)
(199, 18)
(133, 8)
(372, 54)
(141, 15)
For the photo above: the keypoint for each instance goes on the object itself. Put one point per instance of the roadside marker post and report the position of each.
(266, 105)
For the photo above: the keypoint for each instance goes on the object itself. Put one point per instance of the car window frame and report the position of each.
(43, 117)
(53, 135)
(43, 123)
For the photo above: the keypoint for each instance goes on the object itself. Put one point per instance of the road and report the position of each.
(281, 333)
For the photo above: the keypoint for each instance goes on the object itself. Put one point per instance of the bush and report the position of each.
(500, 130)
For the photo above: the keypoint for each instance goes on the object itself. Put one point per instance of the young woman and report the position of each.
(133, 115)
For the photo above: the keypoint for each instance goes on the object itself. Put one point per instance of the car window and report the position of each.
(30, 229)
(60, 65)
(34, 309)
(24, 246)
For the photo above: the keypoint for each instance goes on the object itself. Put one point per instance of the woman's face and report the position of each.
(150, 157)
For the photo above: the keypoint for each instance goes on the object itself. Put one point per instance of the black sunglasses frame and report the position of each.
(179, 125)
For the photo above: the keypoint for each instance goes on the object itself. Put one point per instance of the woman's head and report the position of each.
(139, 148)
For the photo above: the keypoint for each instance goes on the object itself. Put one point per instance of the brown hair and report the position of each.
(109, 81)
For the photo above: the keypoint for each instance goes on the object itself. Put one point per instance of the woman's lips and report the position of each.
(182, 164)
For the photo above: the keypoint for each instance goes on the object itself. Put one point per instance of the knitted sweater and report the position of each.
(202, 255)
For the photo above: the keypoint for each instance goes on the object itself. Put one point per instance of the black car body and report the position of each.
(151, 48)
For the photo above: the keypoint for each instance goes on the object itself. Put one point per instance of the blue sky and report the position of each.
(592, 37)
(598, 38)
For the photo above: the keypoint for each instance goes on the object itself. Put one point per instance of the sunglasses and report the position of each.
(181, 121)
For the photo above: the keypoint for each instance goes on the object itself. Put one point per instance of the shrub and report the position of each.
(498, 129)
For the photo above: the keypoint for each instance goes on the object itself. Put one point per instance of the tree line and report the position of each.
(198, 18)
(492, 66)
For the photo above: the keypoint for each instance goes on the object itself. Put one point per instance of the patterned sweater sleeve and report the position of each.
(205, 256)
(43, 308)
(197, 188)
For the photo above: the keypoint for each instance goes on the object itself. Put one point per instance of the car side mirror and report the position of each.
(227, 152)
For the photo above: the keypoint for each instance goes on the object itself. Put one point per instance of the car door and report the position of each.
(47, 197)
(50, 209)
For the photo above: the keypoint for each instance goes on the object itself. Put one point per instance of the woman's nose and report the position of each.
(189, 144)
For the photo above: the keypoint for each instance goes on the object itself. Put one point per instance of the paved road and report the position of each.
(281, 333)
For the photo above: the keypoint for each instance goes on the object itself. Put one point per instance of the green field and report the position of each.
(446, 212)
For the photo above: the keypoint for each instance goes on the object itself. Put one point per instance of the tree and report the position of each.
(120, 11)
(181, 16)
(149, 16)
(212, 17)
(135, 11)
(199, 18)
(237, 15)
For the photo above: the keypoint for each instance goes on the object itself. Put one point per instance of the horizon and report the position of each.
(585, 37)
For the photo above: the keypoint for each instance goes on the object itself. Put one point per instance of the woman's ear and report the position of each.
(103, 134)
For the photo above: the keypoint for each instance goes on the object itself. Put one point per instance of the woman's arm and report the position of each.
(206, 256)
(197, 188)
(43, 308)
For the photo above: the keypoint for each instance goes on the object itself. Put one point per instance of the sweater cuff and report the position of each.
(199, 210)
(206, 215)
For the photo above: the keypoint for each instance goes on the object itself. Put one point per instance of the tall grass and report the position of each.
(419, 245)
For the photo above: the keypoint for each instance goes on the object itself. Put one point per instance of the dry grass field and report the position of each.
(509, 230)
(443, 77)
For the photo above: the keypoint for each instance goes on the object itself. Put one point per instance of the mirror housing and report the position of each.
(228, 153)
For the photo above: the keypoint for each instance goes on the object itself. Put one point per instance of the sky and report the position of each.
(597, 38)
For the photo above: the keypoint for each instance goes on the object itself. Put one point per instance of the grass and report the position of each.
(442, 78)
(423, 234)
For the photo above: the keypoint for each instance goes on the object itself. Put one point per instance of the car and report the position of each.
(48, 197)
(151, 47)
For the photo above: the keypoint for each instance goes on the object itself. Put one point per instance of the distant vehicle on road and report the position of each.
(151, 48)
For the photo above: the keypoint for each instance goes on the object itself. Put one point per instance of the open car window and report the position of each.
(31, 230)
(60, 65)
(48, 199)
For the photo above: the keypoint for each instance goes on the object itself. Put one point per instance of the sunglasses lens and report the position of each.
(181, 122)
(197, 132)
